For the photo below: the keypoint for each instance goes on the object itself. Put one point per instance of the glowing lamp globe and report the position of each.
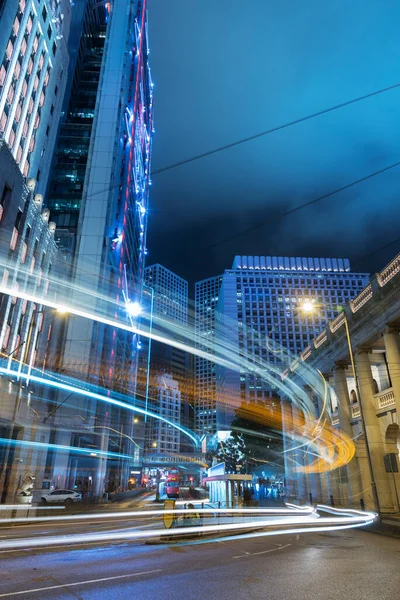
(308, 307)
(133, 308)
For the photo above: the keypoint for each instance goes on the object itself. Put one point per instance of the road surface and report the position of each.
(344, 565)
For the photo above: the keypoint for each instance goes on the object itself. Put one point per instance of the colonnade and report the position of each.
(352, 484)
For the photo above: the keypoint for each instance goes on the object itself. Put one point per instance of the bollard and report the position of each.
(332, 502)
(362, 504)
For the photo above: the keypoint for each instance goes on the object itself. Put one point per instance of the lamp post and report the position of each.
(311, 308)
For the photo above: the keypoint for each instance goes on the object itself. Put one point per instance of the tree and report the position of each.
(258, 427)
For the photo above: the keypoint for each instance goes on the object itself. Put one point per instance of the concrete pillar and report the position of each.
(61, 459)
(373, 431)
(391, 338)
(289, 458)
(232, 493)
(353, 470)
(227, 494)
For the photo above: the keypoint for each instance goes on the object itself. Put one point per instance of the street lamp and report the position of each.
(360, 404)
(133, 308)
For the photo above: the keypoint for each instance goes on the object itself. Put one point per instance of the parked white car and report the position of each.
(66, 497)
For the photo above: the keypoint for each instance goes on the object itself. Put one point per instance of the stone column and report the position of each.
(287, 429)
(372, 431)
(353, 470)
(391, 338)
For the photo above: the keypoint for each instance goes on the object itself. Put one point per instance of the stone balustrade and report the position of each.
(385, 398)
(365, 296)
(361, 299)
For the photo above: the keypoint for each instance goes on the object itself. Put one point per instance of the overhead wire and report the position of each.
(275, 129)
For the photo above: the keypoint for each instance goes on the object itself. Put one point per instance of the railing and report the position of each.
(306, 353)
(335, 418)
(385, 398)
(390, 271)
(361, 299)
(355, 410)
(320, 339)
(337, 322)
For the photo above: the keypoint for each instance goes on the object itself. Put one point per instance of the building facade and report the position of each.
(109, 225)
(206, 300)
(162, 438)
(260, 319)
(33, 73)
(170, 309)
(64, 197)
(29, 331)
(363, 402)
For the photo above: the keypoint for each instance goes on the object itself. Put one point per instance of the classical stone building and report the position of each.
(365, 408)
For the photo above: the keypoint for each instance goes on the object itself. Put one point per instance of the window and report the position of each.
(9, 49)
(49, 32)
(54, 48)
(56, 90)
(3, 74)
(52, 109)
(47, 129)
(44, 14)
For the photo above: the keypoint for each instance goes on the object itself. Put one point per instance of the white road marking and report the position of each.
(263, 552)
(67, 585)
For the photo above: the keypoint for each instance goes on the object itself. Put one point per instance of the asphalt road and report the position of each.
(344, 565)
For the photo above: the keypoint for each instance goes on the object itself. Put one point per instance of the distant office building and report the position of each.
(33, 74)
(162, 438)
(170, 303)
(259, 318)
(170, 293)
(206, 300)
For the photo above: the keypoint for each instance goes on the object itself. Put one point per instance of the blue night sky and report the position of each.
(228, 69)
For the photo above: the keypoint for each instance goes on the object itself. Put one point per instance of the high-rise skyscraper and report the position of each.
(64, 197)
(110, 223)
(206, 300)
(170, 367)
(33, 73)
(259, 318)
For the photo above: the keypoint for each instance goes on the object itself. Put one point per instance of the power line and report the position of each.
(275, 129)
(305, 205)
(253, 137)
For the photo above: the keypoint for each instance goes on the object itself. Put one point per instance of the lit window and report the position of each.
(16, 26)
(3, 74)
(22, 49)
(10, 94)
(17, 70)
(3, 122)
(9, 49)
(29, 27)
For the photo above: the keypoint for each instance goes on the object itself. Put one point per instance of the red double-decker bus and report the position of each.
(172, 484)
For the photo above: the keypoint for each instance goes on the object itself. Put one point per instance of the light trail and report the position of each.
(290, 524)
(243, 511)
(93, 452)
(330, 447)
(93, 395)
